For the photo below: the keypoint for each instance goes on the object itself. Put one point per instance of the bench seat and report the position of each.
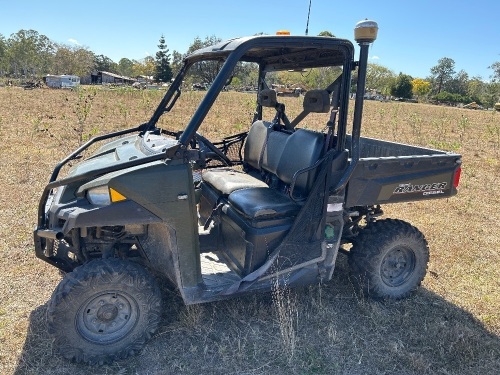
(263, 204)
(279, 167)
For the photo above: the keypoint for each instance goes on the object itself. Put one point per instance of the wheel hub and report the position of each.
(107, 317)
(107, 313)
(397, 266)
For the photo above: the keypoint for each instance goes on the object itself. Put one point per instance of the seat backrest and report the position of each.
(255, 143)
(302, 150)
(273, 149)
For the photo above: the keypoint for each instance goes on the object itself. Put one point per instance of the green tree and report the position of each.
(442, 73)
(84, 61)
(146, 67)
(63, 61)
(3, 56)
(491, 94)
(29, 54)
(495, 77)
(458, 84)
(326, 33)
(379, 78)
(70, 60)
(247, 74)
(448, 97)
(475, 87)
(402, 87)
(125, 67)
(176, 62)
(492, 90)
(149, 66)
(138, 68)
(163, 72)
(320, 78)
(204, 71)
(105, 64)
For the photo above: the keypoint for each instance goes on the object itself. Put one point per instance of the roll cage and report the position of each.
(271, 53)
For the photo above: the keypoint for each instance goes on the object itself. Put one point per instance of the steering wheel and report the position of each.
(206, 144)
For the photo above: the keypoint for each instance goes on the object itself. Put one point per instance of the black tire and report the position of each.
(103, 311)
(388, 259)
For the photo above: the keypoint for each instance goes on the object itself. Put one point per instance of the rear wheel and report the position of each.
(388, 259)
(104, 310)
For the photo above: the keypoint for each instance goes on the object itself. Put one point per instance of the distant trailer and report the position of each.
(62, 81)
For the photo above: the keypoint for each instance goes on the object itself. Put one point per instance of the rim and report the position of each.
(397, 266)
(107, 317)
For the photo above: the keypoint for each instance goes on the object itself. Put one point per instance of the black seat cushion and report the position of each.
(226, 180)
(263, 203)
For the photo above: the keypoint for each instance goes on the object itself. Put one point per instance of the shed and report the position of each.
(101, 77)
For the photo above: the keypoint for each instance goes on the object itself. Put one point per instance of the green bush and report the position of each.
(448, 97)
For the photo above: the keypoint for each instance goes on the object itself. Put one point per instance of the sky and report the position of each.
(413, 35)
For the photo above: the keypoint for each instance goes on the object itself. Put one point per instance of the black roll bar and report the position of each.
(358, 114)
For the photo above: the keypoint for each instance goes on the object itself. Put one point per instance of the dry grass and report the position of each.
(451, 326)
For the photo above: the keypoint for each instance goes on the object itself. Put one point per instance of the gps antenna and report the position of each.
(308, 13)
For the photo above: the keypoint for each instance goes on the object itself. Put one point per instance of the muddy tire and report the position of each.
(103, 311)
(388, 259)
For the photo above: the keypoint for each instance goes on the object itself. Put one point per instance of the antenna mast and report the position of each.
(308, 13)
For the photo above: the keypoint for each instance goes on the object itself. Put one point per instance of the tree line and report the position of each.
(444, 84)
(30, 55)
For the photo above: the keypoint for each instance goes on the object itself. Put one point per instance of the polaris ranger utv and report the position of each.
(273, 205)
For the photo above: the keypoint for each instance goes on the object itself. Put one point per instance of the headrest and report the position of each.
(268, 98)
(317, 101)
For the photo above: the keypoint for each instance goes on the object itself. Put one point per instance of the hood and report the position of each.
(123, 150)
(113, 153)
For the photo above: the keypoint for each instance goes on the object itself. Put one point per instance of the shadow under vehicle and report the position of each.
(271, 206)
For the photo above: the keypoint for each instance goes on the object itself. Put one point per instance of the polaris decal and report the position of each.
(425, 189)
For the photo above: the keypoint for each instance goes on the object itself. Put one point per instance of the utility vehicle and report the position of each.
(269, 206)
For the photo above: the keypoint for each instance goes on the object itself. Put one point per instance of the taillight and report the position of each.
(456, 178)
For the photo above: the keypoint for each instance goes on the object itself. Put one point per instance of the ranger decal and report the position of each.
(425, 189)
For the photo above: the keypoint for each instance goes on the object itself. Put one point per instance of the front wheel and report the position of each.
(104, 310)
(388, 259)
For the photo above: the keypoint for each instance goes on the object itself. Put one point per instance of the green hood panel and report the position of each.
(123, 150)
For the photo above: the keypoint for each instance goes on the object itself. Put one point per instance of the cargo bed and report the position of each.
(390, 172)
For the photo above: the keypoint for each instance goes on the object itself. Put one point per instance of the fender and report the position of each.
(84, 216)
(120, 213)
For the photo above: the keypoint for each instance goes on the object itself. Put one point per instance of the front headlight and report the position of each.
(99, 196)
(103, 196)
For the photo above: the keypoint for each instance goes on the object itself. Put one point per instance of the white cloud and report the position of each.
(375, 58)
(74, 41)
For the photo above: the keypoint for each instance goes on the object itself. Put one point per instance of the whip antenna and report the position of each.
(308, 13)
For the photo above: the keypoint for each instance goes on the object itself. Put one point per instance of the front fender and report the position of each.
(82, 215)
(120, 213)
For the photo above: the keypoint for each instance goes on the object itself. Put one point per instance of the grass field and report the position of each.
(451, 326)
